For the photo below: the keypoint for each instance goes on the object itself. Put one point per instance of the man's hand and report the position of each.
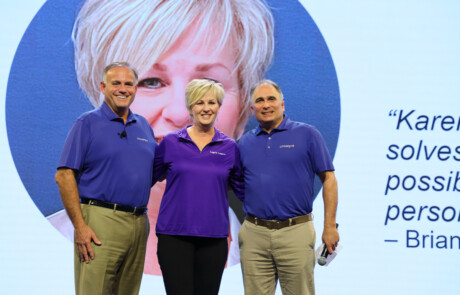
(331, 238)
(330, 197)
(65, 178)
(83, 237)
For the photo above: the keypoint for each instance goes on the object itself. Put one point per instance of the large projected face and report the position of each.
(168, 52)
(160, 97)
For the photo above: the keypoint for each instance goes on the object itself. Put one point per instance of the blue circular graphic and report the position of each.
(43, 97)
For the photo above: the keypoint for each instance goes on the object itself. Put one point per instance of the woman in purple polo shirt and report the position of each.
(199, 164)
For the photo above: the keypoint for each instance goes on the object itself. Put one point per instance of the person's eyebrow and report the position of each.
(160, 67)
(208, 66)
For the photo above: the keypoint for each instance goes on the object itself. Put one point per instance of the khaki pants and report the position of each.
(119, 262)
(286, 254)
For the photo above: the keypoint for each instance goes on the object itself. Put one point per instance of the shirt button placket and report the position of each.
(269, 138)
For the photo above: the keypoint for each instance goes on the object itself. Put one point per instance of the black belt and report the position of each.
(133, 210)
(278, 224)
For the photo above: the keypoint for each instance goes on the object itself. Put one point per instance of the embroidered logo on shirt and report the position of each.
(286, 146)
(142, 139)
(217, 153)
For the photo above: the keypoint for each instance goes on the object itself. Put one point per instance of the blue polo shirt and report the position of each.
(279, 169)
(109, 166)
(195, 200)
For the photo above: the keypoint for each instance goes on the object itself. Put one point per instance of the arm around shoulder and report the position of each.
(236, 175)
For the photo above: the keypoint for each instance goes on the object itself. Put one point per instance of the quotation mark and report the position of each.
(392, 113)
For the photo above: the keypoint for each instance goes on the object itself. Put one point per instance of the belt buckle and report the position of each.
(276, 224)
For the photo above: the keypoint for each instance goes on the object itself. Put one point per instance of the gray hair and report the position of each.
(267, 82)
(119, 64)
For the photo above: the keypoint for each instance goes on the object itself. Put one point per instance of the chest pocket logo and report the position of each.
(217, 153)
(287, 146)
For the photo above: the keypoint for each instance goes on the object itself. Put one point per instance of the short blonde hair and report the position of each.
(198, 88)
(140, 31)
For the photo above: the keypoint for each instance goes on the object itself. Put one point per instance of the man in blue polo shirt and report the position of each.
(280, 159)
(104, 176)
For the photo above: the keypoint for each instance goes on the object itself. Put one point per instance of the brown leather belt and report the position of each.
(278, 224)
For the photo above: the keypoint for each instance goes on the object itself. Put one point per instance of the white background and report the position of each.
(389, 55)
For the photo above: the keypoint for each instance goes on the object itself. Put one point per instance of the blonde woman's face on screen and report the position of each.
(160, 98)
(161, 90)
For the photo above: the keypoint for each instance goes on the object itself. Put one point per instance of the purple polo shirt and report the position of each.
(279, 169)
(195, 200)
(110, 167)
